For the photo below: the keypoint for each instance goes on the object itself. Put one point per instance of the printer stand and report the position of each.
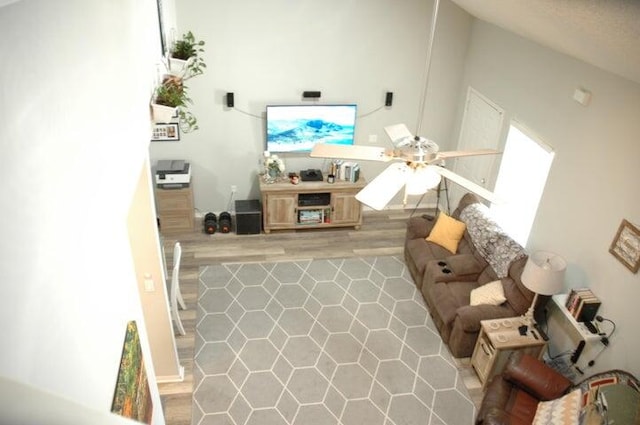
(175, 209)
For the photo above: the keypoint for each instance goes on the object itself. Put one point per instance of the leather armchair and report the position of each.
(512, 397)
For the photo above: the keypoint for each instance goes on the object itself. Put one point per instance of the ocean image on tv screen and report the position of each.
(296, 128)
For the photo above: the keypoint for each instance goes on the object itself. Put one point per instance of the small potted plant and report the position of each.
(184, 57)
(171, 99)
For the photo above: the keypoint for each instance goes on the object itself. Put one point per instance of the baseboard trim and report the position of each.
(171, 378)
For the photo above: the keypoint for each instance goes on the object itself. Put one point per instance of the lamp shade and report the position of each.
(544, 273)
(421, 179)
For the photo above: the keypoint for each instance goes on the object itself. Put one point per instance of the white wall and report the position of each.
(593, 182)
(270, 52)
(76, 79)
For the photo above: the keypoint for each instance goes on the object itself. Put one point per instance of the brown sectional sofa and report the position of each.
(446, 281)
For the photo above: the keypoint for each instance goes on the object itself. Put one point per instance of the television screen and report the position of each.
(296, 128)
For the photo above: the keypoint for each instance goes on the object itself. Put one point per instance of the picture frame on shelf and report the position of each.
(165, 132)
(626, 246)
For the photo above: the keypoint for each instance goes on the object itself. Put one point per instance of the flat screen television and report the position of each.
(296, 128)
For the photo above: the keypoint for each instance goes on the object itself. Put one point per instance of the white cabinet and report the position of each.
(566, 333)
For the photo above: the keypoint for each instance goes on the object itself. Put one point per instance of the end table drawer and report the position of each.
(482, 358)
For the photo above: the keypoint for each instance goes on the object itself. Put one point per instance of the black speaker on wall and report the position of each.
(230, 100)
(309, 94)
(388, 100)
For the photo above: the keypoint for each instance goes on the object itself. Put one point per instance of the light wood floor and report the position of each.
(382, 233)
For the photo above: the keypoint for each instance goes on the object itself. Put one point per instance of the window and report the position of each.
(521, 179)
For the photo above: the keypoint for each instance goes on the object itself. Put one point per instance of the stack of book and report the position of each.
(582, 304)
(349, 171)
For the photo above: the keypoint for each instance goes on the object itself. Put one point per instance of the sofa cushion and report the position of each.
(561, 411)
(490, 293)
(448, 297)
(465, 264)
(447, 232)
(421, 252)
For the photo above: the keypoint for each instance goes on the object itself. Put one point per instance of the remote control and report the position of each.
(591, 327)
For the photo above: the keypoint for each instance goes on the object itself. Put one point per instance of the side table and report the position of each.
(497, 339)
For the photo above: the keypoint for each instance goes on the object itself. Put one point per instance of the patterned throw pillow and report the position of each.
(561, 411)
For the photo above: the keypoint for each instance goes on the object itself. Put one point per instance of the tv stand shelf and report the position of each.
(311, 205)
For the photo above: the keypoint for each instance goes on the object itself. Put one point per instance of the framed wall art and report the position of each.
(165, 132)
(626, 246)
(132, 397)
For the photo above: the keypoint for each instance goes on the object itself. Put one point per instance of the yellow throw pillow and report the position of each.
(489, 293)
(447, 232)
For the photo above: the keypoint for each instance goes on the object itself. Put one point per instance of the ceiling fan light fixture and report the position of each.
(421, 180)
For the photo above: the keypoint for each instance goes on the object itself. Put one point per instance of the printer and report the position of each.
(172, 174)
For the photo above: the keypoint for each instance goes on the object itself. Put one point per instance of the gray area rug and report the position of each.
(321, 342)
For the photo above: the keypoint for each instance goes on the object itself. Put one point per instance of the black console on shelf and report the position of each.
(314, 199)
(311, 175)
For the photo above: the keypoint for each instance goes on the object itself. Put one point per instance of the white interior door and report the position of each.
(481, 127)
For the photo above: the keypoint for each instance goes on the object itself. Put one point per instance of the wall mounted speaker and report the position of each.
(311, 94)
(230, 100)
(388, 100)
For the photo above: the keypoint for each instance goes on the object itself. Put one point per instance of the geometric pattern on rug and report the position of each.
(315, 342)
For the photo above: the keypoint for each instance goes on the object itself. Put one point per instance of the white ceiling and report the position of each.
(604, 33)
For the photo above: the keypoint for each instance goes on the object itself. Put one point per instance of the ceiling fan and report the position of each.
(422, 166)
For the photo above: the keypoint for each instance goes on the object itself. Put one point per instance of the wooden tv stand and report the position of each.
(310, 205)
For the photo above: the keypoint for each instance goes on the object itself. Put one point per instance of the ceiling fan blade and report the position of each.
(456, 154)
(468, 184)
(398, 132)
(380, 190)
(369, 153)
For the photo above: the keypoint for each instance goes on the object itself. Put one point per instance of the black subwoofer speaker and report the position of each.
(248, 217)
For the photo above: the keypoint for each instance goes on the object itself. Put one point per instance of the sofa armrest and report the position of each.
(535, 377)
(496, 396)
(419, 227)
(471, 315)
(435, 272)
(497, 417)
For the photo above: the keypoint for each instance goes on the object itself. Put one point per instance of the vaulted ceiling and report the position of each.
(604, 33)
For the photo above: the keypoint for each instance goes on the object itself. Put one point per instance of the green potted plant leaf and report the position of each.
(184, 57)
(168, 96)
(170, 99)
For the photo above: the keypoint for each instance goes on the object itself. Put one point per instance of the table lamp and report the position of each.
(543, 274)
